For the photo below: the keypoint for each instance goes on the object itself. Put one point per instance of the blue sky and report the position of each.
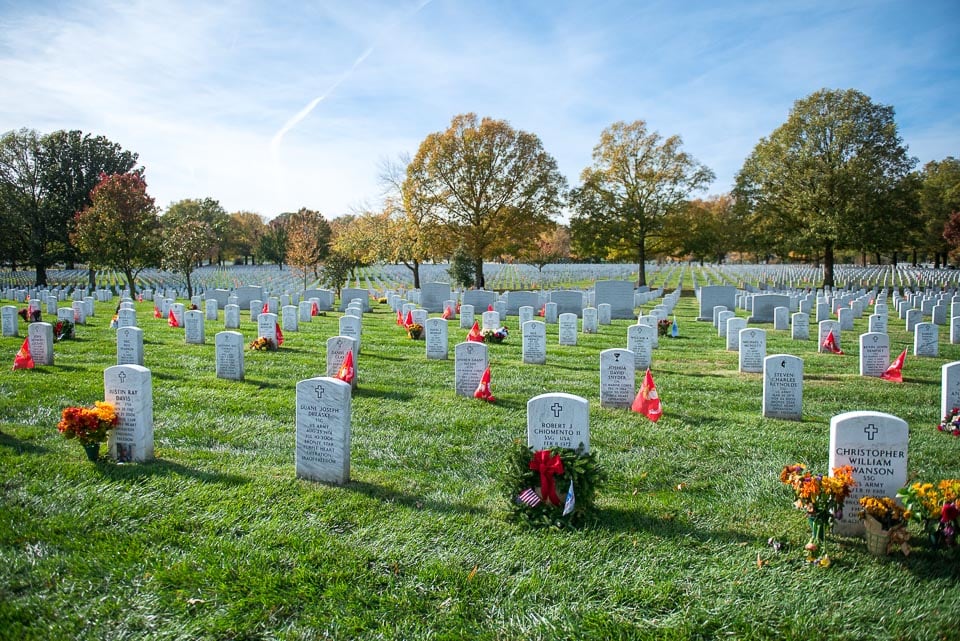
(272, 106)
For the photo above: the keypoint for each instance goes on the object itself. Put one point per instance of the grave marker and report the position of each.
(323, 430)
(617, 378)
(470, 361)
(534, 342)
(437, 342)
(558, 420)
(130, 346)
(229, 346)
(193, 327)
(783, 387)
(874, 354)
(337, 348)
(926, 340)
(568, 329)
(875, 445)
(40, 339)
(130, 389)
(753, 349)
(640, 342)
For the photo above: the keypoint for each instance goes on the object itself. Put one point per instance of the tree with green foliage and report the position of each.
(939, 195)
(705, 229)
(336, 269)
(833, 172)
(244, 232)
(273, 243)
(44, 182)
(188, 237)
(489, 185)
(638, 179)
(308, 241)
(120, 229)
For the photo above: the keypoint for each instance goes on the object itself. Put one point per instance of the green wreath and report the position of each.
(578, 466)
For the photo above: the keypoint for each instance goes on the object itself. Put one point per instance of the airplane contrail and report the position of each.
(303, 113)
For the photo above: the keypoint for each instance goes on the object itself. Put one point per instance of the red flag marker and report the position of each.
(447, 313)
(278, 334)
(156, 312)
(23, 359)
(475, 334)
(172, 320)
(894, 372)
(314, 309)
(346, 371)
(647, 401)
(483, 389)
(830, 343)
(409, 320)
(266, 308)
(399, 318)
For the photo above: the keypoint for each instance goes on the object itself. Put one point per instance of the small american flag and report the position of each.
(529, 497)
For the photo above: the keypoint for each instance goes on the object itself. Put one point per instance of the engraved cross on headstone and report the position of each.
(122, 376)
(319, 390)
(871, 431)
(556, 408)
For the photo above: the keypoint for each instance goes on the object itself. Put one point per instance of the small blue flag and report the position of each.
(570, 502)
(674, 331)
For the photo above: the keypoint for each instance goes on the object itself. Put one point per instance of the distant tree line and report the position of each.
(835, 179)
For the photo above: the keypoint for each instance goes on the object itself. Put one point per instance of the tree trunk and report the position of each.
(876, 256)
(893, 259)
(189, 286)
(863, 259)
(478, 269)
(828, 264)
(92, 277)
(416, 273)
(131, 282)
(642, 263)
(914, 262)
(41, 274)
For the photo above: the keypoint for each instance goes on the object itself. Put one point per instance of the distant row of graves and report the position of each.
(874, 443)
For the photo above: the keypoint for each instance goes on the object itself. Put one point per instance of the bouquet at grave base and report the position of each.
(821, 498)
(63, 330)
(29, 316)
(89, 425)
(936, 508)
(415, 331)
(663, 327)
(263, 344)
(495, 335)
(551, 488)
(951, 422)
(891, 517)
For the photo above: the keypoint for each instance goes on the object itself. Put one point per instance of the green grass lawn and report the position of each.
(217, 539)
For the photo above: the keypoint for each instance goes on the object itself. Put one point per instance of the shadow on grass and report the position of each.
(367, 392)
(618, 520)
(411, 501)
(161, 467)
(21, 446)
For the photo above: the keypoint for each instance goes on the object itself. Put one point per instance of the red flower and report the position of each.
(949, 512)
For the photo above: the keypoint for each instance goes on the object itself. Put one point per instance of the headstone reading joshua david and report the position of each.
(617, 378)
(323, 430)
(875, 445)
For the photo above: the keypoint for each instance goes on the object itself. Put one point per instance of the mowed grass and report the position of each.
(217, 539)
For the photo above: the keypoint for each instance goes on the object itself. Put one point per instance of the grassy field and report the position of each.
(216, 538)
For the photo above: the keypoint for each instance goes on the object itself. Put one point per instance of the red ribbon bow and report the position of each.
(547, 464)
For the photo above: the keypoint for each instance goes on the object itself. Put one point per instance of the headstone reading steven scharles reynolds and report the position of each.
(323, 430)
(783, 387)
(875, 445)
(130, 389)
(558, 420)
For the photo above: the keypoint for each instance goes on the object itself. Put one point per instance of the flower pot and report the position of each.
(93, 451)
(414, 335)
(877, 537)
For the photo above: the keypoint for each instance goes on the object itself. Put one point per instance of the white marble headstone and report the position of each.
(558, 420)
(753, 349)
(323, 430)
(436, 339)
(130, 389)
(229, 348)
(40, 338)
(470, 361)
(875, 445)
(534, 351)
(783, 387)
(129, 346)
(617, 378)
(874, 354)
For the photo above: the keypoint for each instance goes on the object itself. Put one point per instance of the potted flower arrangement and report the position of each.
(821, 498)
(263, 344)
(936, 508)
(495, 335)
(951, 422)
(663, 327)
(29, 315)
(415, 331)
(89, 425)
(886, 525)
